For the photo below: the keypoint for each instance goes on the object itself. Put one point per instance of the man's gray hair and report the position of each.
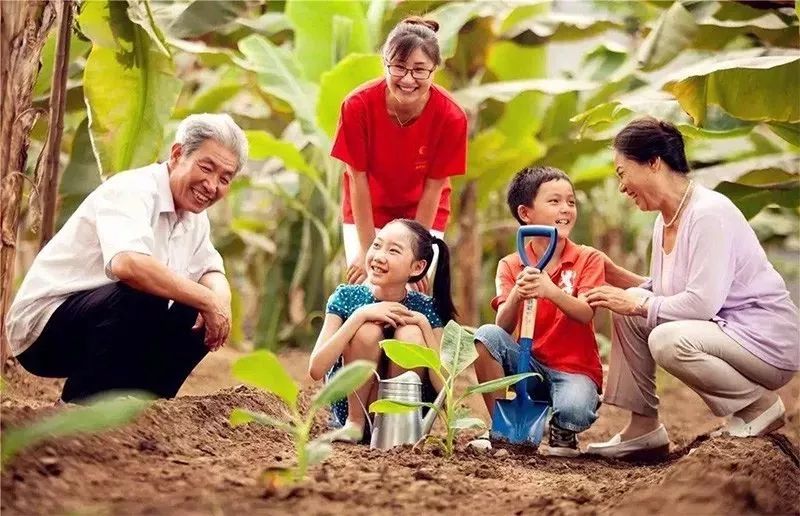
(195, 129)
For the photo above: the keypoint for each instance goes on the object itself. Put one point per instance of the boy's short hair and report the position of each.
(525, 185)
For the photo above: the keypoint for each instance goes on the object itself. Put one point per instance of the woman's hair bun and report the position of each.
(426, 22)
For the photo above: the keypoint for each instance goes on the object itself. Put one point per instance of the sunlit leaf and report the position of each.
(471, 98)
(204, 16)
(337, 83)
(673, 32)
(81, 175)
(710, 177)
(104, 413)
(500, 383)
(752, 199)
(397, 406)
(458, 349)
(263, 146)
(564, 26)
(345, 381)
(411, 356)
(262, 370)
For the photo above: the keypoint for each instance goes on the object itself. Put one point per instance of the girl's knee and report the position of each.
(409, 333)
(365, 341)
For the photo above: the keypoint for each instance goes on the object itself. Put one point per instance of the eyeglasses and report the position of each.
(401, 71)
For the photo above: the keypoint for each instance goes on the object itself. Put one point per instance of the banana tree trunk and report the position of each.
(467, 269)
(23, 30)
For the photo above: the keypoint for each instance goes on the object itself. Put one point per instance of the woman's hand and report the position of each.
(384, 312)
(615, 299)
(535, 284)
(356, 271)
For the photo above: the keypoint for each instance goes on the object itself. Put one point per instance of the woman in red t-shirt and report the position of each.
(401, 137)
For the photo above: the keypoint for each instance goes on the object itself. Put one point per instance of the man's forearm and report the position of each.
(217, 283)
(147, 274)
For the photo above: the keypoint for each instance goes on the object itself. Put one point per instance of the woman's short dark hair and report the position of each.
(645, 139)
(410, 34)
(525, 185)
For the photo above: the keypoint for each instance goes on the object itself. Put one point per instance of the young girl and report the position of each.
(565, 350)
(401, 137)
(358, 317)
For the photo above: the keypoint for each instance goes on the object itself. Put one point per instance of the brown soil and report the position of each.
(181, 457)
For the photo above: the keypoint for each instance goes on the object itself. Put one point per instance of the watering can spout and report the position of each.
(430, 417)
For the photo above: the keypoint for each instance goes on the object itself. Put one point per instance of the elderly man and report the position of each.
(131, 294)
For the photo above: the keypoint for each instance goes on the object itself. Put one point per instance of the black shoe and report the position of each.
(562, 443)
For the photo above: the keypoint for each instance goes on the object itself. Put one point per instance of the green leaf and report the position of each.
(673, 32)
(787, 131)
(204, 16)
(411, 356)
(563, 26)
(458, 349)
(315, 39)
(240, 416)
(337, 83)
(467, 422)
(345, 381)
(752, 199)
(102, 414)
(500, 383)
(451, 18)
(139, 13)
(262, 370)
(471, 98)
(771, 164)
(749, 88)
(279, 75)
(263, 146)
(318, 451)
(77, 48)
(130, 88)
(397, 407)
(81, 175)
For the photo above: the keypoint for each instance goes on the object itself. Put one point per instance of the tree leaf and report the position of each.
(240, 416)
(204, 16)
(500, 383)
(787, 131)
(752, 199)
(81, 175)
(346, 380)
(263, 146)
(557, 26)
(458, 349)
(732, 171)
(411, 356)
(279, 75)
(451, 18)
(262, 370)
(105, 412)
(673, 32)
(749, 88)
(139, 13)
(336, 84)
(467, 422)
(471, 98)
(315, 39)
(397, 407)
(130, 88)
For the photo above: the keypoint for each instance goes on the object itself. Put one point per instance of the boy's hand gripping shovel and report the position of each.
(522, 420)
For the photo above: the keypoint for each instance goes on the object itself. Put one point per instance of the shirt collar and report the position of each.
(568, 256)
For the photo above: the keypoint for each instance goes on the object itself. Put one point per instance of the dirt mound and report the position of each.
(182, 457)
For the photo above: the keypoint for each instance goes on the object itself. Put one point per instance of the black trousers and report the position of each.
(117, 338)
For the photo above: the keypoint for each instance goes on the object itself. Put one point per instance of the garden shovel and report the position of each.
(522, 419)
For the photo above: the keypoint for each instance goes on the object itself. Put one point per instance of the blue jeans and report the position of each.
(573, 396)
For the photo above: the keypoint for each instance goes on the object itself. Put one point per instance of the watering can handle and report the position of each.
(529, 309)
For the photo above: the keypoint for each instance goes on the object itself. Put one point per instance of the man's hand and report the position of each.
(356, 270)
(217, 322)
(535, 284)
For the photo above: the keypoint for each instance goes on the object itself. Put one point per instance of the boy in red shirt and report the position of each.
(564, 346)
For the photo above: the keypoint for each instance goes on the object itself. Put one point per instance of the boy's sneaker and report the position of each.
(562, 443)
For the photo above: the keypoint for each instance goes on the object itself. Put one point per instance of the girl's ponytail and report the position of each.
(442, 294)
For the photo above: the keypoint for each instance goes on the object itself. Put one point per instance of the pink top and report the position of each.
(721, 273)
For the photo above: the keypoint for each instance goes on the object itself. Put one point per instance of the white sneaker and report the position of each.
(650, 446)
(768, 421)
(349, 433)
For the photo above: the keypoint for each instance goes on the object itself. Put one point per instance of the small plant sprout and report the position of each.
(263, 371)
(456, 354)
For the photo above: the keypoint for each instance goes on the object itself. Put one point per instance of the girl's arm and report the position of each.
(332, 339)
(429, 202)
(362, 215)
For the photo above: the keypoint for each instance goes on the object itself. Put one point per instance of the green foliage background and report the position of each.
(544, 83)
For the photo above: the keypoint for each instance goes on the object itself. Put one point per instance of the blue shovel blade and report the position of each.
(519, 421)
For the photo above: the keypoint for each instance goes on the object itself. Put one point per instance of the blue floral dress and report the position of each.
(345, 300)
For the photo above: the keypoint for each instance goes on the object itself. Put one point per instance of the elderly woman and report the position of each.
(714, 312)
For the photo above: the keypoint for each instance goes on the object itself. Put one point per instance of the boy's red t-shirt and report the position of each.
(396, 159)
(559, 342)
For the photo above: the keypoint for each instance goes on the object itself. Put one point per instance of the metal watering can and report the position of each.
(390, 430)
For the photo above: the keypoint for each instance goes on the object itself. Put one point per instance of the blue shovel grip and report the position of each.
(525, 344)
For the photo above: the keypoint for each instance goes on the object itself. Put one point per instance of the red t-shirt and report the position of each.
(397, 160)
(559, 342)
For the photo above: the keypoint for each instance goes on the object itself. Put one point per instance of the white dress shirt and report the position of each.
(131, 211)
